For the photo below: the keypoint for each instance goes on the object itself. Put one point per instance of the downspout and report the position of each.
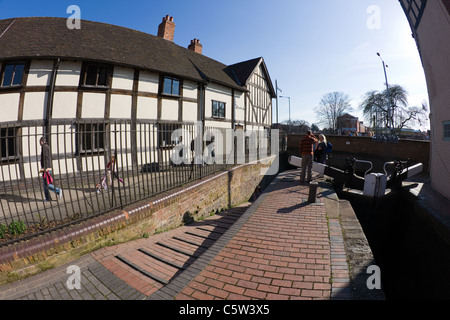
(48, 116)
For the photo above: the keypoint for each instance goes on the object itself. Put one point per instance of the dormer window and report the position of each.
(12, 74)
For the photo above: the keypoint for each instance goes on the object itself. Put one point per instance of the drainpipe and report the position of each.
(48, 116)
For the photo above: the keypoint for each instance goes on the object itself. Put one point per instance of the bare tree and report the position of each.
(295, 126)
(331, 107)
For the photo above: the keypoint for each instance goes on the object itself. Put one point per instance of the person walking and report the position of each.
(46, 170)
(306, 152)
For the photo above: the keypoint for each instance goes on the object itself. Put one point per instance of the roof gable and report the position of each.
(243, 71)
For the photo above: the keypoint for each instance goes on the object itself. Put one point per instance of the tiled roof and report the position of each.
(44, 37)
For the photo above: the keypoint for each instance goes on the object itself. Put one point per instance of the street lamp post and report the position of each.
(277, 89)
(388, 93)
(289, 112)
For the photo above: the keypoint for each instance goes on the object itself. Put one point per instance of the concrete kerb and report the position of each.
(357, 249)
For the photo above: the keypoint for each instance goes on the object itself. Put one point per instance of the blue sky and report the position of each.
(310, 47)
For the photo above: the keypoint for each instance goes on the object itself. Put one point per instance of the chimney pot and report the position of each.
(196, 46)
(166, 29)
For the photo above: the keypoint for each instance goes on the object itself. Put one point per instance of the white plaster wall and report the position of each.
(92, 163)
(189, 111)
(31, 150)
(147, 108)
(433, 33)
(9, 106)
(64, 105)
(148, 82)
(61, 145)
(40, 73)
(239, 107)
(9, 172)
(189, 89)
(93, 105)
(35, 105)
(169, 110)
(146, 139)
(218, 93)
(123, 78)
(218, 124)
(120, 106)
(120, 132)
(68, 73)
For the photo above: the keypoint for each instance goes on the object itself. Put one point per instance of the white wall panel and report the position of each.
(123, 78)
(68, 73)
(147, 108)
(148, 82)
(40, 73)
(35, 105)
(169, 110)
(9, 106)
(64, 105)
(120, 107)
(93, 105)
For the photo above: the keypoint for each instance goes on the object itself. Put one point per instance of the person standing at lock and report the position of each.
(307, 153)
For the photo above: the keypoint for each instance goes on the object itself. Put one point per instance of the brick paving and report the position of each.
(279, 248)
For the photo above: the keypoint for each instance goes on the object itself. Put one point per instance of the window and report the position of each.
(218, 109)
(8, 150)
(91, 137)
(165, 131)
(96, 75)
(12, 74)
(446, 126)
(171, 86)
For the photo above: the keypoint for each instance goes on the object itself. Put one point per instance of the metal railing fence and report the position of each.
(99, 166)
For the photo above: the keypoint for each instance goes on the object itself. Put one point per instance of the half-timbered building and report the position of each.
(103, 78)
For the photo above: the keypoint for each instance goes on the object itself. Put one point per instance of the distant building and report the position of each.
(348, 124)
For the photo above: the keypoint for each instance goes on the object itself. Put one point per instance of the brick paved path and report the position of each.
(280, 247)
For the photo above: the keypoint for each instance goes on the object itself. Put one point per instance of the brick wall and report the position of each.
(367, 148)
(170, 210)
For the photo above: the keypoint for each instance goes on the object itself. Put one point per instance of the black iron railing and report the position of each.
(99, 166)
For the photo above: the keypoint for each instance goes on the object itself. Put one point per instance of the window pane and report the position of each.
(18, 74)
(215, 112)
(167, 87)
(102, 72)
(91, 75)
(175, 87)
(447, 130)
(8, 75)
(222, 110)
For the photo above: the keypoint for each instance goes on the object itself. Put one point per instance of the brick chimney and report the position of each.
(166, 29)
(196, 46)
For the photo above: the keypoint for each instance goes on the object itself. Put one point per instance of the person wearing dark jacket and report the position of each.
(46, 170)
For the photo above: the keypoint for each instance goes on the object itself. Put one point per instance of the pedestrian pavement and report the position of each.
(280, 247)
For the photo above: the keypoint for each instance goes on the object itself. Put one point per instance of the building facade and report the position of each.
(430, 25)
(74, 86)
